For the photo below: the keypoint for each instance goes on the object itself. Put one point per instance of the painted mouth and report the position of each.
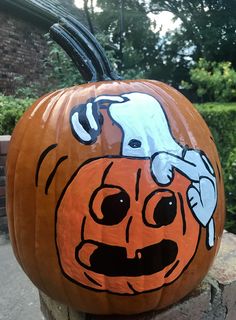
(113, 261)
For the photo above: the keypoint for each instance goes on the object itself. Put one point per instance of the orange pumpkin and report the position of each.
(115, 194)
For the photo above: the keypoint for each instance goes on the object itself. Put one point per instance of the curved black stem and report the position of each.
(83, 49)
(113, 75)
(78, 56)
(87, 13)
(88, 46)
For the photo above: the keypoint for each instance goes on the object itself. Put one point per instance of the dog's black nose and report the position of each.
(134, 143)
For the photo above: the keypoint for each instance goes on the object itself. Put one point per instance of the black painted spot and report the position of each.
(134, 143)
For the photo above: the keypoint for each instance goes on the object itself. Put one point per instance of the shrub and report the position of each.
(11, 109)
(230, 191)
(213, 81)
(221, 119)
(61, 71)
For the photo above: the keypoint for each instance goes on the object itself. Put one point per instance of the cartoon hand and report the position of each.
(202, 194)
(163, 164)
(202, 199)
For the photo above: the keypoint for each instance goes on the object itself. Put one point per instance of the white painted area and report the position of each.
(141, 118)
(211, 233)
(78, 128)
(90, 117)
(202, 193)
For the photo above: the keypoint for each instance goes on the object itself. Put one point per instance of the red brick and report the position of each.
(19, 50)
(24, 47)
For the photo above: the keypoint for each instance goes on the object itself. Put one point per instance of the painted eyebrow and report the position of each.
(106, 171)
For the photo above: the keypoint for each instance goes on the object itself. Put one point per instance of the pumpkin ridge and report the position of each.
(22, 141)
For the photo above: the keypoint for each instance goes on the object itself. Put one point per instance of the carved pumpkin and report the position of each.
(115, 194)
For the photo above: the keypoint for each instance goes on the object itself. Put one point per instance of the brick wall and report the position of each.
(22, 51)
(23, 47)
(4, 143)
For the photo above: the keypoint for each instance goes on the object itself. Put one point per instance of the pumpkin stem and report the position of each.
(84, 50)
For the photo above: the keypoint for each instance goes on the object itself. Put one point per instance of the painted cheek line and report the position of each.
(92, 280)
(172, 269)
(82, 228)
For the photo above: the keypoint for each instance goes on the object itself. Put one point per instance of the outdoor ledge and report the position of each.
(4, 144)
(214, 299)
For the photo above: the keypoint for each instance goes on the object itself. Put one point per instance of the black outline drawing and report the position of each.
(94, 134)
(134, 292)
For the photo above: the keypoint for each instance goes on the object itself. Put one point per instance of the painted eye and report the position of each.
(109, 205)
(134, 143)
(160, 208)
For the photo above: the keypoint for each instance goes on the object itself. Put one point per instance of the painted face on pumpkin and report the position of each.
(145, 234)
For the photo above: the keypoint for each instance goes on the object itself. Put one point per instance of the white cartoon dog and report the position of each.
(146, 134)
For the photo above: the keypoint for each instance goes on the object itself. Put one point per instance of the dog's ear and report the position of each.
(86, 122)
(109, 99)
(86, 119)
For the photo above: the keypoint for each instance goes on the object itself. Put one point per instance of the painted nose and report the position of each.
(137, 236)
(131, 248)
